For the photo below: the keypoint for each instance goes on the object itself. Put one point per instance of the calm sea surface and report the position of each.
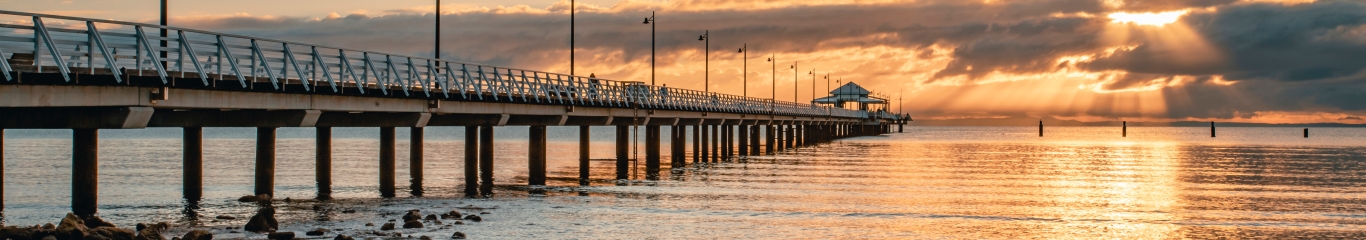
(930, 182)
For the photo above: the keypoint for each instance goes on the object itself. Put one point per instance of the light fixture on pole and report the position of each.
(706, 55)
(774, 83)
(744, 50)
(650, 20)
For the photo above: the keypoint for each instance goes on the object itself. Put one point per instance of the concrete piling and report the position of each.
(676, 147)
(1306, 133)
(744, 140)
(415, 137)
(584, 133)
(471, 161)
(84, 171)
(754, 140)
(1040, 128)
(486, 160)
(1211, 129)
(769, 137)
(697, 150)
(265, 160)
(715, 143)
(387, 162)
(623, 152)
(323, 157)
(652, 152)
(536, 156)
(192, 154)
(1125, 131)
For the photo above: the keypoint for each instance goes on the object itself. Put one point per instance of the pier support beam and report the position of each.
(696, 143)
(676, 146)
(192, 152)
(769, 137)
(486, 160)
(536, 156)
(471, 161)
(652, 152)
(323, 171)
(85, 163)
(386, 162)
(726, 145)
(2, 169)
(415, 139)
(753, 140)
(744, 140)
(584, 134)
(265, 161)
(791, 136)
(715, 143)
(706, 143)
(623, 152)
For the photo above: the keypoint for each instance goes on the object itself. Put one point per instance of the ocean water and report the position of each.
(929, 182)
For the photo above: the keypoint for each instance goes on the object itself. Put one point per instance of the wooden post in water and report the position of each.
(676, 141)
(192, 152)
(1125, 131)
(415, 137)
(652, 152)
(753, 140)
(387, 162)
(706, 143)
(322, 172)
(471, 161)
(584, 133)
(536, 156)
(1211, 129)
(1040, 128)
(1306, 133)
(623, 152)
(265, 161)
(486, 160)
(85, 164)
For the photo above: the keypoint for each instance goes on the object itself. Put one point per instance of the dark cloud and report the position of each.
(1300, 57)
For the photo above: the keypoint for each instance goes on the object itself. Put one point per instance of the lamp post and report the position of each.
(571, 38)
(744, 50)
(774, 83)
(163, 34)
(651, 20)
(794, 85)
(438, 36)
(706, 55)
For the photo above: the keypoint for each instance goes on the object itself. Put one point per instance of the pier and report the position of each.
(111, 75)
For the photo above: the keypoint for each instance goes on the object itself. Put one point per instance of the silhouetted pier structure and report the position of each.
(89, 74)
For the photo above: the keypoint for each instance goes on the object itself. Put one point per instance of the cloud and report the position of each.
(1229, 59)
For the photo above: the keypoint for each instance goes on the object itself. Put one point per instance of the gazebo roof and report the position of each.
(850, 88)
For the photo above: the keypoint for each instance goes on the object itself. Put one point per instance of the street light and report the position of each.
(571, 37)
(650, 20)
(744, 49)
(438, 36)
(774, 99)
(706, 55)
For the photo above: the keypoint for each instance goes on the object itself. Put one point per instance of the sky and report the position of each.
(1254, 61)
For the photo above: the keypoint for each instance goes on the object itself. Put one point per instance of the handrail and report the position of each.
(325, 69)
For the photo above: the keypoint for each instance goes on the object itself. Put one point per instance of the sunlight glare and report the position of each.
(1149, 18)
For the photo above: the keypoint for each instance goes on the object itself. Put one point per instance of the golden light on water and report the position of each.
(1149, 18)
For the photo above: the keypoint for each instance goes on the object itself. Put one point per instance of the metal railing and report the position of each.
(71, 45)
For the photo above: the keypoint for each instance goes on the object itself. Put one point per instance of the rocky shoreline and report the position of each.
(262, 224)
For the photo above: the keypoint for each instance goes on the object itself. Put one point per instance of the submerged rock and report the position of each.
(475, 218)
(280, 235)
(412, 215)
(263, 221)
(343, 237)
(316, 232)
(412, 224)
(458, 235)
(387, 227)
(430, 217)
(225, 217)
(153, 232)
(425, 238)
(111, 233)
(198, 235)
